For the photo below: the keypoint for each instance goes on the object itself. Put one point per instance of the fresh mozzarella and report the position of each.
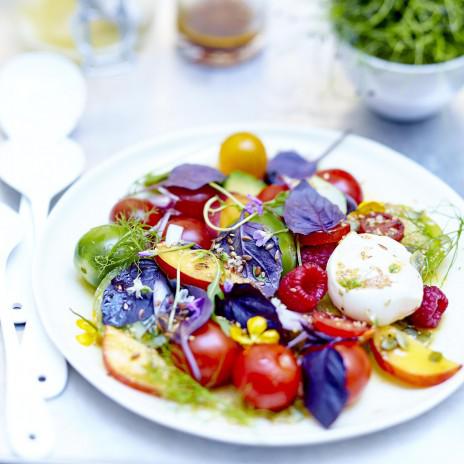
(371, 278)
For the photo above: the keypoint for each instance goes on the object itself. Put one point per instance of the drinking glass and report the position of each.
(94, 32)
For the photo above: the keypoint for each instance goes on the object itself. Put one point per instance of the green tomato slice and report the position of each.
(286, 241)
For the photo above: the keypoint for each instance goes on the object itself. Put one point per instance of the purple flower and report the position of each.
(255, 205)
(228, 285)
(146, 253)
(261, 237)
(195, 305)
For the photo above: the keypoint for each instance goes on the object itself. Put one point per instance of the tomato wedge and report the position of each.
(341, 326)
(321, 238)
(382, 224)
(344, 181)
(271, 191)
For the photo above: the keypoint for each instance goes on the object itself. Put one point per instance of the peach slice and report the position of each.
(126, 360)
(408, 360)
(196, 268)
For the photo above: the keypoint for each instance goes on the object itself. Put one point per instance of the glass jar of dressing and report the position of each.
(220, 32)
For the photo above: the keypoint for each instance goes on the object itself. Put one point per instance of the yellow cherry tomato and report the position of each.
(231, 214)
(244, 152)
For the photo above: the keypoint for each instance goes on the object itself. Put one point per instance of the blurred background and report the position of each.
(159, 65)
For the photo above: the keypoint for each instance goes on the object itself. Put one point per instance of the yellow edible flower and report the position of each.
(257, 332)
(90, 335)
(367, 207)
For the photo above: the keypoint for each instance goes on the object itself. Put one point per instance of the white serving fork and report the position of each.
(28, 422)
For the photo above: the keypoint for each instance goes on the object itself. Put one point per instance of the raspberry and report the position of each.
(434, 304)
(302, 288)
(318, 254)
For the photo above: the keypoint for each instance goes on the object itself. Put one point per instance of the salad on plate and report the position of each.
(265, 287)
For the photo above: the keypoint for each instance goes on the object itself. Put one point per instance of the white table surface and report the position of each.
(293, 80)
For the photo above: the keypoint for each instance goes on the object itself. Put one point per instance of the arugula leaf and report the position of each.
(307, 211)
(277, 205)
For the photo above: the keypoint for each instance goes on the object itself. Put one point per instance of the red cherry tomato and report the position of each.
(268, 376)
(340, 326)
(214, 352)
(382, 224)
(358, 369)
(321, 238)
(271, 191)
(191, 202)
(344, 181)
(195, 231)
(136, 208)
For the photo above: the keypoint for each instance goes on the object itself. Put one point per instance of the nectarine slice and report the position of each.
(409, 360)
(127, 360)
(196, 268)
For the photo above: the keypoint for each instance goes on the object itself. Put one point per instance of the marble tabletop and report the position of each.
(295, 79)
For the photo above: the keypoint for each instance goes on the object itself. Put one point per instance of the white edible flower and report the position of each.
(138, 288)
(290, 320)
(184, 297)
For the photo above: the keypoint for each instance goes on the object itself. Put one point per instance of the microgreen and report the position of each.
(125, 252)
(405, 31)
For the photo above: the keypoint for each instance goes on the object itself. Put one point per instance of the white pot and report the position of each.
(402, 92)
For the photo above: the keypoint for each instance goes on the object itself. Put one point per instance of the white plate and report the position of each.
(385, 175)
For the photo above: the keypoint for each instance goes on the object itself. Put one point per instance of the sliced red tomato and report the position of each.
(214, 352)
(137, 209)
(271, 191)
(268, 376)
(344, 181)
(341, 326)
(321, 238)
(357, 367)
(195, 231)
(191, 202)
(382, 224)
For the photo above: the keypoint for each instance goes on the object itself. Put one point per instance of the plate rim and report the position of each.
(209, 130)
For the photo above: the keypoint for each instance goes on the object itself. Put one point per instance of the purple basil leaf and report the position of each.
(260, 257)
(316, 338)
(307, 211)
(350, 204)
(121, 307)
(199, 312)
(289, 164)
(245, 301)
(324, 378)
(193, 176)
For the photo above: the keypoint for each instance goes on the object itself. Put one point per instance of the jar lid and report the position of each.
(42, 95)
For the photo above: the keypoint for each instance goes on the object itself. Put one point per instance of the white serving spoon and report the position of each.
(42, 96)
(28, 422)
(39, 173)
